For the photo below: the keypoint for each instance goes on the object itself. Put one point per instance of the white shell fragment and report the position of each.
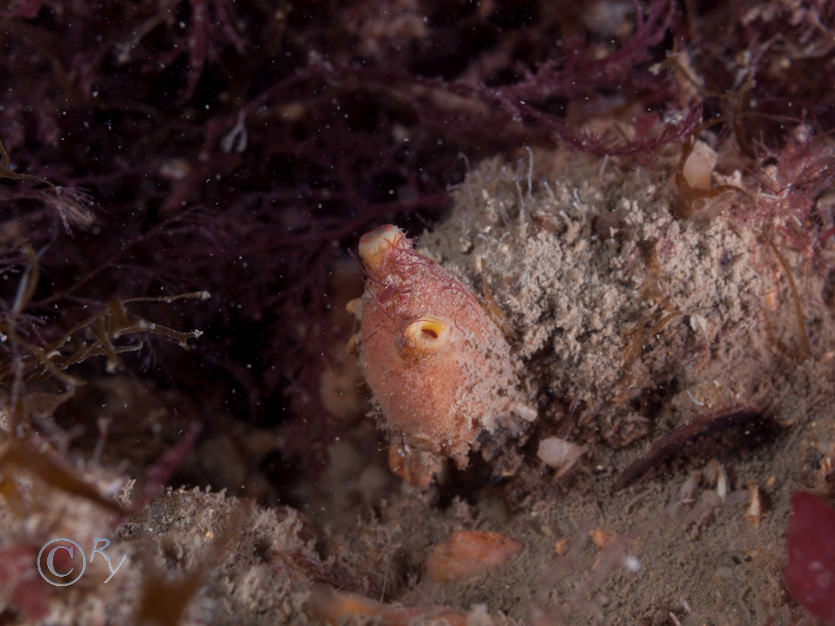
(559, 453)
(715, 470)
(754, 512)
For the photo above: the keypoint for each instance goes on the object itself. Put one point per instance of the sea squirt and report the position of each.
(439, 367)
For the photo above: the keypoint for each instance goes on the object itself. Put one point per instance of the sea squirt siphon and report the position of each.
(439, 367)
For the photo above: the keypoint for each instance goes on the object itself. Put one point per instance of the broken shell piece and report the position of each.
(716, 470)
(469, 553)
(754, 512)
(525, 411)
(559, 453)
(686, 493)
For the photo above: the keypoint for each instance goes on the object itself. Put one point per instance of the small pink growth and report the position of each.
(810, 544)
(469, 553)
